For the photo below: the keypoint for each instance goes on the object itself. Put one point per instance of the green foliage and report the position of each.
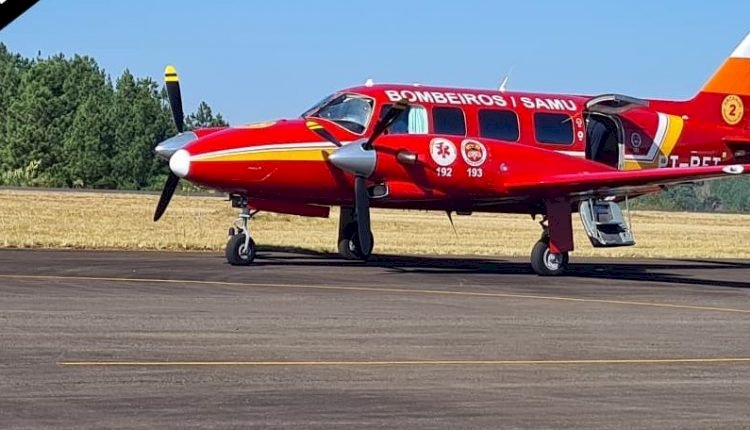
(27, 176)
(204, 118)
(724, 195)
(64, 123)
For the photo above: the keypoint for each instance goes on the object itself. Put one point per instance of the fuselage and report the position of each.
(463, 142)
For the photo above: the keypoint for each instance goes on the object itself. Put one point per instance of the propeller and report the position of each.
(361, 196)
(362, 211)
(387, 120)
(172, 82)
(166, 195)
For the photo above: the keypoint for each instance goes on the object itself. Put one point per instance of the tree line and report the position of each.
(64, 122)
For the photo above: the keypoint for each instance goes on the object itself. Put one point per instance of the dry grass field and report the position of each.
(123, 221)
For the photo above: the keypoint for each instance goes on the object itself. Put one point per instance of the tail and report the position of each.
(725, 98)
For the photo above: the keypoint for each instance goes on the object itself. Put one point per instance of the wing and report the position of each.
(617, 183)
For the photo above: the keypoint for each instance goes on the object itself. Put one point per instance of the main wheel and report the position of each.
(236, 252)
(545, 263)
(349, 246)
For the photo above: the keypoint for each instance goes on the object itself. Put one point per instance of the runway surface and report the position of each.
(182, 340)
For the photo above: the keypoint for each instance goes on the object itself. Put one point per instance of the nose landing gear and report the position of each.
(240, 249)
(348, 242)
(350, 247)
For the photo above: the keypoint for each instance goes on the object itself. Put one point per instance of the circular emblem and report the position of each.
(732, 109)
(473, 152)
(443, 151)
(636, 140)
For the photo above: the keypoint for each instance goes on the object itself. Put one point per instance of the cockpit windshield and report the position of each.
(350, 111)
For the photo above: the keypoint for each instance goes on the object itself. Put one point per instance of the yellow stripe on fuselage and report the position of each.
(296, 154)
(675, 124)
(674, 131)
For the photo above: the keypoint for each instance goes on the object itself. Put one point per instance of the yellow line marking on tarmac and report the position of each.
(386, 290)
(646, 361)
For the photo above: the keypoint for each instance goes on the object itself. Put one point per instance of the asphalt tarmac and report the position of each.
(182, 340)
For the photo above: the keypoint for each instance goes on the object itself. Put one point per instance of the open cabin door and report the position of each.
(603, 220)
(604, 130)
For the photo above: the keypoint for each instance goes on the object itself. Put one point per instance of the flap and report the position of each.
(618, 182)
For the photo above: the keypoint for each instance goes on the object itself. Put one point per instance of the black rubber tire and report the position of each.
(539, 263)
(349, 247)
(233, 251)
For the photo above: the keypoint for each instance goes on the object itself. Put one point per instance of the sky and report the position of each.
(254, 60)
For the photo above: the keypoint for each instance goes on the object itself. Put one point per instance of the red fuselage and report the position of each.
(464, 142)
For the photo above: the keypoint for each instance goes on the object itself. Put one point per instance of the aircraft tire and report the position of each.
(349, 248)
(235, 251)
(542, 262)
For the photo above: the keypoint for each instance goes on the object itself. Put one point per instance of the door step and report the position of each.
(604, 224)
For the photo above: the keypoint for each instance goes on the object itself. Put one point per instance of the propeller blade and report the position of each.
(386, 120)
(362, 208)
(322, 132)
(166, 195)
(172, 82)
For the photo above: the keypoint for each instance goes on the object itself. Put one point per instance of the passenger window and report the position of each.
(498, 124)
(412, 121)
(553, 128)
(449, 120)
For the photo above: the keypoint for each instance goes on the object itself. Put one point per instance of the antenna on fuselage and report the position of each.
(504, 85)
(369, 83)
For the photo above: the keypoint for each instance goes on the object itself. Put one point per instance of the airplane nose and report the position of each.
(179, 163)
(167, 148)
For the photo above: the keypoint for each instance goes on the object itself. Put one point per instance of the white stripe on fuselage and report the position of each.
(268, 148)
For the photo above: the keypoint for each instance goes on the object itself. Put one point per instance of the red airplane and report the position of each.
(467, 150)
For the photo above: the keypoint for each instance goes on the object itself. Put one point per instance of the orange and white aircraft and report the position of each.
(467, 150)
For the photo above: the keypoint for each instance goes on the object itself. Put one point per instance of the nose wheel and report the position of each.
(240, 249)
(350, 247)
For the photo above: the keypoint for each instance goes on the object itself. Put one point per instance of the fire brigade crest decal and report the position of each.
(443, 151)
(473, 152)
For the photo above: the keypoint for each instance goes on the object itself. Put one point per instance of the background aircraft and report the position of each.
(464, 151)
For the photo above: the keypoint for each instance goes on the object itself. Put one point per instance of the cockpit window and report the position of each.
(317, 106)
(350, 111)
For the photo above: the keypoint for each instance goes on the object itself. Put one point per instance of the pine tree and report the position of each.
(88, 144)
(12, 68)
(203, 118)
(141, 121)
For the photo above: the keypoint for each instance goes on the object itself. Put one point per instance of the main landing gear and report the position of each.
(240, 249)
(550, 255)
(546, 263)
(349, 245)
